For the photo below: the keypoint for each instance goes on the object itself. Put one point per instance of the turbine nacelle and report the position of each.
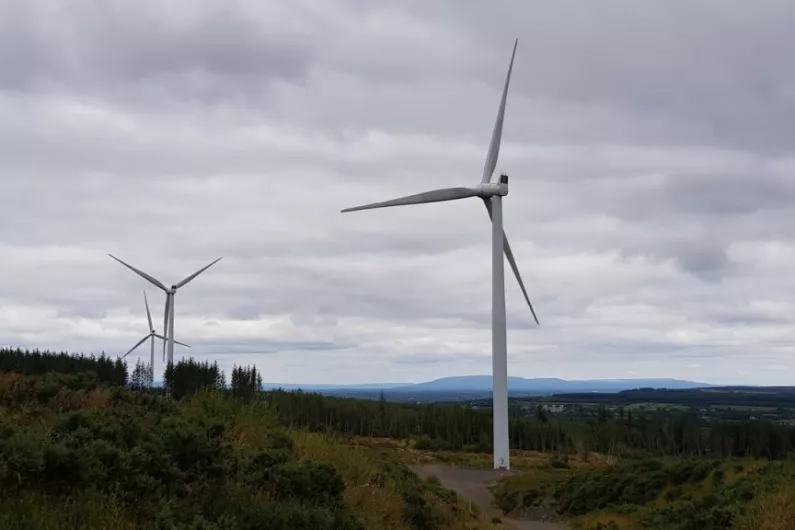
(487, 190)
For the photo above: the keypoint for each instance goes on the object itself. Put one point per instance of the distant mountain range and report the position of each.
(551, 385)
(479, 385)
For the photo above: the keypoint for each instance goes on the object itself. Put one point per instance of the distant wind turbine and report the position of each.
(151, 335)
(168, 319)
(491, 194)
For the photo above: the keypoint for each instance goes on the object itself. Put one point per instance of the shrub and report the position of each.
(145, 461)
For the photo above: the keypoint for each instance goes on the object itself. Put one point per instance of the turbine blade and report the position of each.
(134, 347)
(446, 194)
(512, 262)
(154, 281)
(496, 135)
(192, 276)
(514, 267)
(148, 314)
(161, 337)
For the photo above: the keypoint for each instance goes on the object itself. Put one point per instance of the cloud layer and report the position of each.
(649, 148)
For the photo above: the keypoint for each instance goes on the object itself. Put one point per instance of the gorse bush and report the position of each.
(634, 483)
(662, 495)
(76, 454)
(160, 468)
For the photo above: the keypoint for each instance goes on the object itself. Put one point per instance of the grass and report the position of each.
(772, 511)
(379, 476)
(521, 461)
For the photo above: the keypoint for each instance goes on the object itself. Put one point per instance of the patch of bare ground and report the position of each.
(473, 485)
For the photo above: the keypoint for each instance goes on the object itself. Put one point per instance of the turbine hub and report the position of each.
(490, 189)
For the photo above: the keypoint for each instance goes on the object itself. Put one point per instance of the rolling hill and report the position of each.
(479, 386)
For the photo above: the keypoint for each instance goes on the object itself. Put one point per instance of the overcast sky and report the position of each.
(649, 144)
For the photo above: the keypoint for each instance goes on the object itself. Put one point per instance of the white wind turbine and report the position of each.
(491, 194)
(151, 335)
(168, 319)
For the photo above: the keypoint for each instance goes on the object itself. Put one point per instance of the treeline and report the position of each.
(737, 396)
(452, 427)
(34, 362)
(184, 378)
(246, 383)
(455, 427)
(188, 377)
(687, 435)
(449, 427)
(459, 427)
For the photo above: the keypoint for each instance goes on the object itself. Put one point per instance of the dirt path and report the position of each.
(472, 485)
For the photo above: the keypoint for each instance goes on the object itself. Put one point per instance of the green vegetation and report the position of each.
(35, 362)
(96, 458)
(709, 404)
(76, 453)
(456, 427)
(670, 494)
(82, 445)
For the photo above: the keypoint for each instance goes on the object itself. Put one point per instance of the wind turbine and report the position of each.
(168, 319)
(491, 194)
(151, 335)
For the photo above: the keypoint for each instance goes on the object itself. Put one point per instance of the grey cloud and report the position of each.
(691, 254)
(244, 312)
(704, 262)
(430, 358)
(686, 71)
(745, 317)
(184, 50)
(724, 193)
(90, 312)
(321, 316)
(649, 204)
(713, 64)
(266, 347)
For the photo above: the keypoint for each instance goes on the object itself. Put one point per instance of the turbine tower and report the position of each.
(491, 194)
(151, 335)
(168, 319)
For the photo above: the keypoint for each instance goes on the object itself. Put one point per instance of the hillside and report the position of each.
(480, 386)
(549, 385)
(85, 444)
(75, 454)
